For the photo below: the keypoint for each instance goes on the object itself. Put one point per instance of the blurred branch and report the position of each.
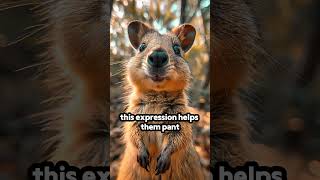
(195, 12)
(204, 24)
(182, 11)
(184, 18)
(311, 64)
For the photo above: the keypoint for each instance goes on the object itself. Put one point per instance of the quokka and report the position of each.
(77, 55)
(234, 49)
(235, 53)
(156, 80)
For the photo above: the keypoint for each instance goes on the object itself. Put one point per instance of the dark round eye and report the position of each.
(176, 49)
(142, 47)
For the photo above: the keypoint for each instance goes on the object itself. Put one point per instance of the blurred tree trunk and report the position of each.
(311, 63)
(204, 23)
(183, 11)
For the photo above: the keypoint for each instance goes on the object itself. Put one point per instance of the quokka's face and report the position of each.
(158, 63)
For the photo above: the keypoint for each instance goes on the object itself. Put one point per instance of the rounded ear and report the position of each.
(136, 31)
(186, 34)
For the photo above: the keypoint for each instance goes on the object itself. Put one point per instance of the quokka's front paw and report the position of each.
(163, 162)
(143, 158)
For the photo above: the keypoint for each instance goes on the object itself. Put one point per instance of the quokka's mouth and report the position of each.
(157, 74)
(157, 78)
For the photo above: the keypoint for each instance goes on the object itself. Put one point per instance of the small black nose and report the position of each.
(158, 58)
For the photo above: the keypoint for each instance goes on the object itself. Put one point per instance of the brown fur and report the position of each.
(149, 97)
(235, 50)
(234, 39)
(77, 70)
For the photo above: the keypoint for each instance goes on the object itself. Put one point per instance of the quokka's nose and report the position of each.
(158, 58)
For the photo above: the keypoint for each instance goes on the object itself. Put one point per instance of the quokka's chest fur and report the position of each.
(157, 103)
(170, 103)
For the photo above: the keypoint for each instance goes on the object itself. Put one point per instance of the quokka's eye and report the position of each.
(176, 49)
(142, 47)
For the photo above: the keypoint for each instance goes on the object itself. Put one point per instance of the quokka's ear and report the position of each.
(186, 34)
(136, 31)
